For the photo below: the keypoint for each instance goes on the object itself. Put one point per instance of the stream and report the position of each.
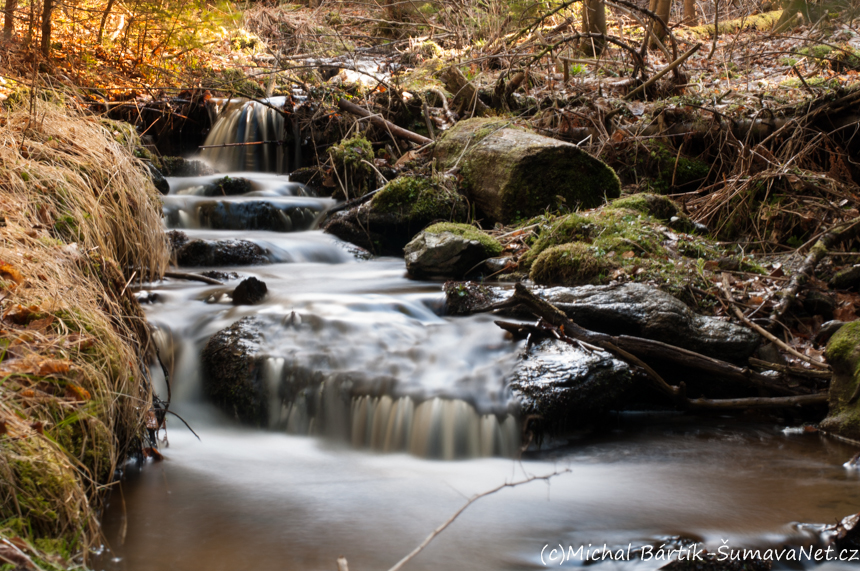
(371, 478)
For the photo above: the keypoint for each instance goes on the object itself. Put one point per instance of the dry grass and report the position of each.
(81, 219)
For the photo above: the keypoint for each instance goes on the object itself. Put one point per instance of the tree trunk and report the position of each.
(9, 21)
(593, 22)
(790, 10)
(690, 17)
(104, 20)
(513, 173)
(48, 7)
(662, 8)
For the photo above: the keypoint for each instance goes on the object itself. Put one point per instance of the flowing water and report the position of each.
(407, 417)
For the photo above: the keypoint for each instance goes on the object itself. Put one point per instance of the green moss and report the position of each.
(83, 437)
(570, 265)
(352, 159)
(655, 205)
(492, 247)
(841, 347)
(417, 200)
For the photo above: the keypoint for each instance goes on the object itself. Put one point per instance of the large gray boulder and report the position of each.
(513, 173)
(214, 253)
(633, 309)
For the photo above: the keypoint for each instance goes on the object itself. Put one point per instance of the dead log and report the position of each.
(377, 120)
(464, 92)
(192, 277)
(758, 402)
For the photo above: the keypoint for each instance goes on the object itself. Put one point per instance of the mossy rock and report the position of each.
(570, 264)
(449, 250)
(178, 166)
(417, 200)
(843, 354)
(491, 246)
(402, 208)
(512, 173)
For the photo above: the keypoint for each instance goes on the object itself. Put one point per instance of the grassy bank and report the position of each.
(80, 221)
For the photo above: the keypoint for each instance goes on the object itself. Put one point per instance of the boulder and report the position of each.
(179, 166)
(513, 173)
(197, 253)
(228, 186)
(255, 215)
(232, 372)
(843, 355)
(250, 291)
(449, 250)
(565, 386)
(402, 208)
(632, 309)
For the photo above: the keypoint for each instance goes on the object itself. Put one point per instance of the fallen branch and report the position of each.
(396, 131)
(759, 402)
(192, 277)
(663, 71)
(552, 314)
(817, 253)
(399, 565)
(764, 332)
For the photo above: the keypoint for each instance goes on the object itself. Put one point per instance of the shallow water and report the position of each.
(244, 499)
(316, 485)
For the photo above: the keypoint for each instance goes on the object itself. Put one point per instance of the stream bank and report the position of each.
(80, 221)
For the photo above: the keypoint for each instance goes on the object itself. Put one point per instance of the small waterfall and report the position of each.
(240, 122)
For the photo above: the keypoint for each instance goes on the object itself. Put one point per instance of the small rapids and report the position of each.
(372, 384)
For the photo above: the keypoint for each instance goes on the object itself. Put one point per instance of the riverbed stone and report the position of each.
(565, 386)
(197, 253)
(634, 309)
(449, 250)
(843, 355)
(254, 215)
(250, 291)
(181, 167)
(233, 372)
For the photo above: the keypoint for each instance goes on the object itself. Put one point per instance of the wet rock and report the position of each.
(158, 179)
(176, 239)
(843, 355)
(250, 291)
(229, 186)
(254, 215)
(513, 173)
(449, 250)
(311, 177)
(565, 386)
(848, 278)
(178, 166)
(633, 309)
(827, 331)
(196, 253)
(232, 372)
(387, 222)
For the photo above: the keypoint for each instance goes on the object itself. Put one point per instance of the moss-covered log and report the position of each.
(512, 173)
